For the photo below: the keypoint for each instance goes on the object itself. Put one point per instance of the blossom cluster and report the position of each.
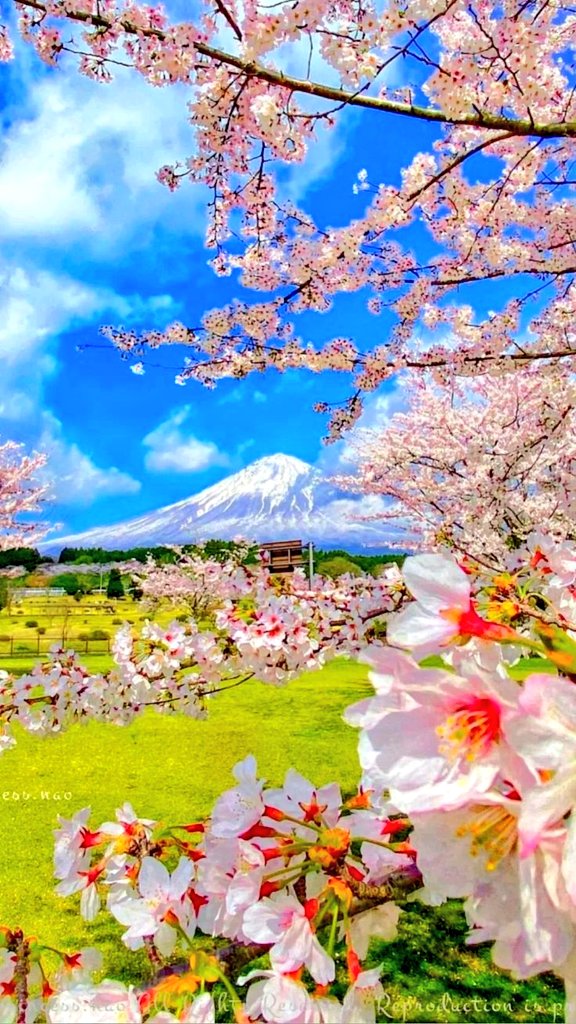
(474, 466)
(297, 873)
(497, 77)
(20, 493)
(241, 623)
(468, 790)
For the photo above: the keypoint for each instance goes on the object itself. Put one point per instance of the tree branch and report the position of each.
(476, 119)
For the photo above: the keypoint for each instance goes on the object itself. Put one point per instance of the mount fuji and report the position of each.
(278, 497)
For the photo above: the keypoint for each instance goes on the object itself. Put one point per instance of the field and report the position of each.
(31, 626)
(172, 769)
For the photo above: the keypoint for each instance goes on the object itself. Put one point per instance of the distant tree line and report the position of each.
(29, 558)
(218, 549)
(333, 562)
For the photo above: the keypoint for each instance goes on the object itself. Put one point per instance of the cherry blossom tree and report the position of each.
(468, 791)
(476, 466)
(19, 495)
(493, 190)
(252, 628)
(469, 779)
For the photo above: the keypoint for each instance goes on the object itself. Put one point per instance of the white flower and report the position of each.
(278, 1000)
(377, 923)
(281, 920)
(108, 1003)
(239, 808)
(161, 897)
(359, 1005)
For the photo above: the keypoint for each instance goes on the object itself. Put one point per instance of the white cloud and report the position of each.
(73, 478)
(341, 457)
(85, 156)
(174, 450)
(36, 306)
(242, 393)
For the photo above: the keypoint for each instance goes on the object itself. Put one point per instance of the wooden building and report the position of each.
(283, 555)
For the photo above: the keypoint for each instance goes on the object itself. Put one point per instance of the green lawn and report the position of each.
(172, 769)
(67, 619)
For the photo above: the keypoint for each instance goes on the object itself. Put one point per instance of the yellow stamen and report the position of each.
(493, 831)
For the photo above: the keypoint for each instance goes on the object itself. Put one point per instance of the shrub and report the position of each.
(4, 636)
(116, 622)
(31, 623)
(41, 630)
(99, 634)
(84, 636)
(68, 582)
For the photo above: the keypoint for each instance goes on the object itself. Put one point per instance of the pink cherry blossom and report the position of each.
(444, 609)
(239, 808)
(445, 743)
(278, 999)
(160, 904)
(361, 999)
(281, 920)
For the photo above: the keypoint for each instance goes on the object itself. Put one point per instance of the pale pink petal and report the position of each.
(202, 1011)
(545, 805)
(437, 582)
(417, 628)
(153, 878)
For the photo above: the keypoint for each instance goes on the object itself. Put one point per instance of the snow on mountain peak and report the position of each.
(282, 462)
(275, 497)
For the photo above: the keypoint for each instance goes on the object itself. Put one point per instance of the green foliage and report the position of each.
(525, 667)
(368, 563)
(218, 549)
(115, 588)
(4, 592)
(560, 648)
(430, 975)
(338, 566)
(66, 581)
(28, 557)
(41, 630)
(99, 634)
(31, 623)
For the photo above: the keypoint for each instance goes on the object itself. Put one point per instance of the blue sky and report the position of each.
(89, 237)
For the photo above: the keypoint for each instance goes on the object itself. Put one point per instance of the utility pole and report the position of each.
(310, 562)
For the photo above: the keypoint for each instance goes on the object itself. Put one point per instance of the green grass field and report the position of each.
(63, 618)
(172, 769)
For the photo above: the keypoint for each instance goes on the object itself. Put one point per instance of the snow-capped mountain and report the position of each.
(278, 497)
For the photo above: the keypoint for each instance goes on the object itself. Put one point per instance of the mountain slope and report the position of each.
(278, 497)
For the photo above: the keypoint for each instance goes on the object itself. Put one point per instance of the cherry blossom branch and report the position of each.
(252, 69)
